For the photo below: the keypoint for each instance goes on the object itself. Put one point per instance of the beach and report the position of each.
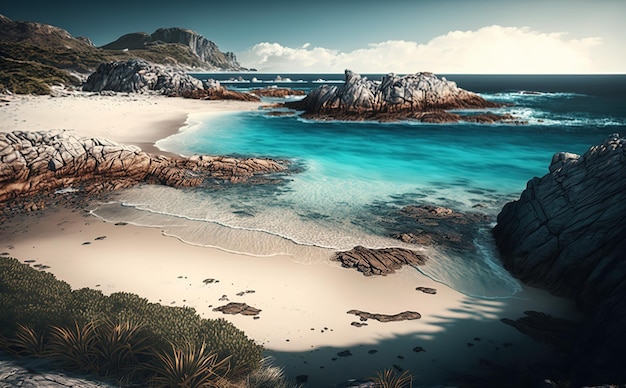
(303, 322)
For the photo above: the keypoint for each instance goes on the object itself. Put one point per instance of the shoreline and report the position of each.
(304, 323)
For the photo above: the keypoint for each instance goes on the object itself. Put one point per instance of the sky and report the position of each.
(401, 36)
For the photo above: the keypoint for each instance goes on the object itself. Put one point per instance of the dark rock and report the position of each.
(344, 353)
(358, 324)
(378, 261)
(439, 226)
(238, 308)
(421, 97)
(567, 234)
(427, 290)
(559, 333)
(403, 316)
(418, 349)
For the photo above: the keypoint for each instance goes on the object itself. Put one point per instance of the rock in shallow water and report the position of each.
(420, 96)
(40, 162)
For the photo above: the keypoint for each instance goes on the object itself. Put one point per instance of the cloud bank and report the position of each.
(489, 50)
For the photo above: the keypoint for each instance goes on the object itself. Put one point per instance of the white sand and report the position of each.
(303, 322)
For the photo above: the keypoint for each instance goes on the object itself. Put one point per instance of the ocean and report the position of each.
(350, 179)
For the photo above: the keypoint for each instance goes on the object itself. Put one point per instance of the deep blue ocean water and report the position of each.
(354, 175)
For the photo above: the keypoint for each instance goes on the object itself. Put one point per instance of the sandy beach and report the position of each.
(304, 323)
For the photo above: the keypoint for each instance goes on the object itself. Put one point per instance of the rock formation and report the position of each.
(137, 75)
(42, 162)
(206, 50)
(277, 92)
(378, 261)
(421, 96)
(403, 316)
(213, 90)
(439, 226)
(567, 234)
(234, 308)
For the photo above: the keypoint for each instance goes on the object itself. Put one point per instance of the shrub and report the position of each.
(389, 378)
(116, 335)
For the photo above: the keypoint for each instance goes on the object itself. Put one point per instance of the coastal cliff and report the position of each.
(421, 96)
(567, 234)
(211, 58)
(42, 162)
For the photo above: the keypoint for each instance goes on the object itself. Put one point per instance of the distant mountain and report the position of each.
(32, 54)
(206, 50)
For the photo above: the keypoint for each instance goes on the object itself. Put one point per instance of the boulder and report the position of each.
(234, 308)
(378, 261)
(138, 75)
(41, 162)
(567, 234)
(420, 96)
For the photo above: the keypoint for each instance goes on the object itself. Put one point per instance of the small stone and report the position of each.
(345, 353)
(427, 290)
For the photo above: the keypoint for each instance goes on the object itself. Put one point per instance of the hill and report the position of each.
(25, 46)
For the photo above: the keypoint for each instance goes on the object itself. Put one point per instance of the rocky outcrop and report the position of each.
(378, 261)
(420, 96)
(213, 90)
(234, 308)
(137, 75)
(37, 373)
(206, 50)
(403, 316)
(567, 234)
(40, 162)
(277, 92)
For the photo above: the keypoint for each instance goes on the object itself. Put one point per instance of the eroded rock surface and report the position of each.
(238, 308)
(213, 90)
(379, 261)
(420, 96)
(403, 316)
(138, 75)
(567, 234)
(39, 162)
(439, 226)
(277, 92)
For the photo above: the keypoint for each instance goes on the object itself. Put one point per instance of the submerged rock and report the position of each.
(567, 234)
(420, 96)
(41, 162)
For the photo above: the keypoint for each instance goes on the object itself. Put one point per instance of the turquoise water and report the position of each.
(351, 176)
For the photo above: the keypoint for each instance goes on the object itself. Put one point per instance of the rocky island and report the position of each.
(421, 97)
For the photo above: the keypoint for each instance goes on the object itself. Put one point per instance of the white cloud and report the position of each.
(489, 50)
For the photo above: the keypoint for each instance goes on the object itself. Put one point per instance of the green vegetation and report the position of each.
(121, 336)
(30, 69)
(27, 77)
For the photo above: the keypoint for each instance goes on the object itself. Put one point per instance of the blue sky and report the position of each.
(444, 36)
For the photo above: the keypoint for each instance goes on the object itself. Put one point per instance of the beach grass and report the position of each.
(121, 336)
